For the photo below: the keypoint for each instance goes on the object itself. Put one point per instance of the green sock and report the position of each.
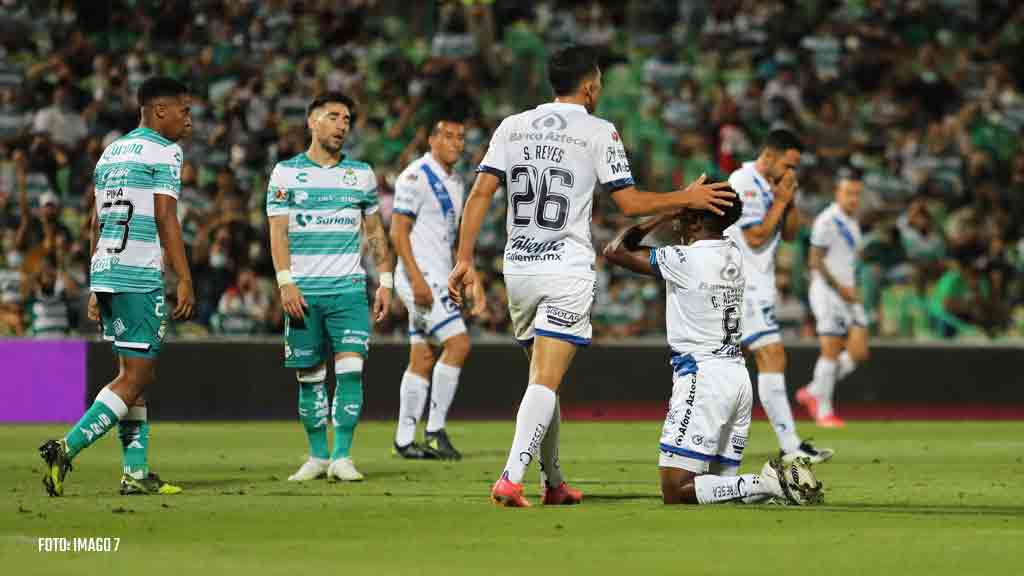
(133, 430)
(97, 421)
(348, 403)
(313, 414)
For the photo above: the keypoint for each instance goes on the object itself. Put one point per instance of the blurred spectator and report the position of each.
(244, 308)
(48, 294)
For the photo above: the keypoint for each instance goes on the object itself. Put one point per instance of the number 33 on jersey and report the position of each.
(551, 159)
(131, 171)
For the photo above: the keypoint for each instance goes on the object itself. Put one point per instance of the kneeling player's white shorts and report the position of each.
(708, 418)
(550, 306)
(759, 325)
(834, 316)
(438, 323)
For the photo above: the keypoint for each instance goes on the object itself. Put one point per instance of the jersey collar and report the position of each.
(429, 159)
(310, 160)
(564, 106)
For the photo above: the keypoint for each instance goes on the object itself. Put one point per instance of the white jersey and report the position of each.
(324, 206)
(838, 234)
(130, 172)
(704, 303)
(434, 198)
(551, 159)
(756, 193)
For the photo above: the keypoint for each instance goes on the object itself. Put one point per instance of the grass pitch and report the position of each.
(902, 498)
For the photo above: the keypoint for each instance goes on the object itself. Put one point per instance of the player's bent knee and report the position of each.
(312, 375)
(860, 355)
(672, 482)
(771, 358)
(456, 350)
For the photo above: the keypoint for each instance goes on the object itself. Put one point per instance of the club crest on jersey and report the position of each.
(615, 136)
(731, 271)
(549, 121)
(281, 194)
(349, 178)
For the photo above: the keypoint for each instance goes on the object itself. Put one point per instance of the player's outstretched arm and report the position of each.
(463, 275)
(696, 196)
(625, 249)
(377, 241)
(292, 301)
(167, 225)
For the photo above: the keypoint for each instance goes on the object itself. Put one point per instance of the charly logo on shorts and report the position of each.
(563, 318)
(119, 327)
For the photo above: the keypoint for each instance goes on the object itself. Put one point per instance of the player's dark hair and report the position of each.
(711, 222)
(782, 140)
(452, 116)
(333, 97)
(160, 87)
(849, 173)
(568, 67)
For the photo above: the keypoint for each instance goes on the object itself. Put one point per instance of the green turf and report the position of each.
(902, 498)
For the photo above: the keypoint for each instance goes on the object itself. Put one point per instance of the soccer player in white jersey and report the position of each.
(424, 226)
(320, 205)
(135, 227)
(766, 186)
(835, 302)
(552, 159)
(708, 419)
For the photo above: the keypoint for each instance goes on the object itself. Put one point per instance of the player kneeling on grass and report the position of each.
(709, 414)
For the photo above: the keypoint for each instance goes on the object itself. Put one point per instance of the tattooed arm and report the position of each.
(377, 241)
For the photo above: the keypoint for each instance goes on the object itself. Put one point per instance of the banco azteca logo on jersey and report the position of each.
(563, 318)
(549, 121)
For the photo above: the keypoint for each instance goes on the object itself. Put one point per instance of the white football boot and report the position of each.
(310, 470)
(343, 470)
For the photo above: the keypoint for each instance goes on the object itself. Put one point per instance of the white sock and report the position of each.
(532, 423)
(846, 366)
(714, 489)
(413, 396)
(771, 387)
(824, 384)
(446, 381)
(550, 468)
(113, 401)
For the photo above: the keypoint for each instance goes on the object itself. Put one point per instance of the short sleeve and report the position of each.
(278, 195)
(753, 205)
(822, 233)
(669, 263)
(409, 193)
(495, 160)
(167, 171)
(610, 158)
(371, 203)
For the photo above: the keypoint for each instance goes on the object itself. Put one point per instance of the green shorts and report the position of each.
(344, 320)
(135, 322)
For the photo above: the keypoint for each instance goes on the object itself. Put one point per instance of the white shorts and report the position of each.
(708, 417)
(759, 325)
(834, 316)
(435, 324)
(550, 306)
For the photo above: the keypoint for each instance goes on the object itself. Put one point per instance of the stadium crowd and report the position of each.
(923, 98)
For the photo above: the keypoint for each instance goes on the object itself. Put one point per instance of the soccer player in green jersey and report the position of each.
(320, 206)
(137, 182)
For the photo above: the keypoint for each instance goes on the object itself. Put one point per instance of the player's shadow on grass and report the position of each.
(621, 497)
(919, 509)
(218, 483)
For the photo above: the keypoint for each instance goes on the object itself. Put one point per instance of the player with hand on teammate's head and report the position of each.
(767, 186)
(321, 205)
(552, 159)
(838, 311)
(135, 225)
(424, 227)
(708, 420)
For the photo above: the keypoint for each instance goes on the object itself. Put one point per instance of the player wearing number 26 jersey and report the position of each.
(552, 160)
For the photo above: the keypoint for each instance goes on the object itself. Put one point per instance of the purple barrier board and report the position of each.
(42, 380)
